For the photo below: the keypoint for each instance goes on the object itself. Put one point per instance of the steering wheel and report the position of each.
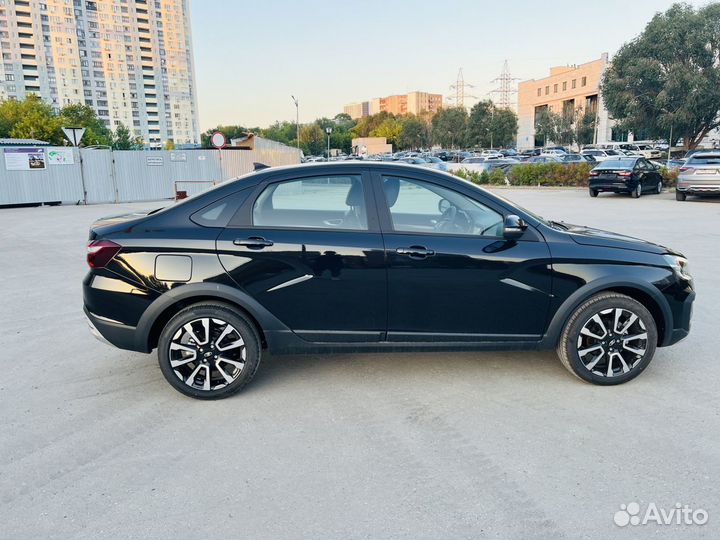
(454, 220)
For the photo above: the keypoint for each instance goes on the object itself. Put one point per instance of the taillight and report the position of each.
(686, 169)
(593, 173)
(101, 252)
(625, 173)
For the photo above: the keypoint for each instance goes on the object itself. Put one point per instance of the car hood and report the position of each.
(588, 236)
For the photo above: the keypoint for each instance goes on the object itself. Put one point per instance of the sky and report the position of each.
(252, 55)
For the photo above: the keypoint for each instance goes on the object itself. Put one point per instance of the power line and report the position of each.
(506, 88)
(460, 93)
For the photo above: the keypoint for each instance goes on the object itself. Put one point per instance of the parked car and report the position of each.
(631, 175)
(599, 154)
(572, 158)
(436, 163)
(554, 151)
(368, 256)
(649, 151)
(549, 158)
(700, 175)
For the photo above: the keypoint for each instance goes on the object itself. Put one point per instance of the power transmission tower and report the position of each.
(460, 93)
(506, 88)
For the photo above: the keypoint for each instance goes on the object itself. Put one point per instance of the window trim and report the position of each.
(386, 221)
(243, 219)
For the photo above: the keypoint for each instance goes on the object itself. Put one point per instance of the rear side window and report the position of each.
(321, 202)
(218, 214)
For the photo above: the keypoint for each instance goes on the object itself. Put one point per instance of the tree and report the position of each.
(390, 128)
(30, 118)
(504, 127)
(123, 139)
(366, 125)
(282, 132)
(169, 144)
(449, 127)
(584, 126)
(414, 133)
(668, 77)
(312, 139)
(546, 126)
(489, 126)
(81, 115)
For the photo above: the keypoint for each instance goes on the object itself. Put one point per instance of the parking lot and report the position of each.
(96, 444)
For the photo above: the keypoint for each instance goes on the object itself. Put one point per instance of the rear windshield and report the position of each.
(707, 159)
(617, 164)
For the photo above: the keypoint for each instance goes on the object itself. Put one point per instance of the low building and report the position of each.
(366, 146)
(411, 103)
(567, 89)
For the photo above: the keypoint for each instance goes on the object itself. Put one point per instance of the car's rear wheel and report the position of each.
(593, 192)
(609, 339)
(680, 196)
(659, 186)
(209, 351)
(635, 193)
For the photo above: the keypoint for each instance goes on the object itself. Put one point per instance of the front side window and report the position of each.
(319, 202)
(422, 207)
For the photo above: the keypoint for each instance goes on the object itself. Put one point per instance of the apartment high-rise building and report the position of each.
(130, 60)
(413, 103)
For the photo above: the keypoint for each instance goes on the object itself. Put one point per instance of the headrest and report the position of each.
(392, 190)
(355, 194)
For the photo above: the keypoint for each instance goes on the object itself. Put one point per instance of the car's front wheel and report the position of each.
(593, 192)
(635, 193)
(209, 351)
(609, 339)
(680, 196)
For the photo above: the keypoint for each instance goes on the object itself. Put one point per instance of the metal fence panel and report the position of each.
(55, 182)
(97, 170)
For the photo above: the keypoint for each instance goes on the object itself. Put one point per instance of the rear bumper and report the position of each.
(616, 187)
(698, 189)
(112, 332)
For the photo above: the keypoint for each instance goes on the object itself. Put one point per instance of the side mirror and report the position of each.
(513, 227)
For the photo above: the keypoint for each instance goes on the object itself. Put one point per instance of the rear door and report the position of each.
(307, 246)
(451, 274)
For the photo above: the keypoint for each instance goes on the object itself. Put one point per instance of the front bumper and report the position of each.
(681, 321)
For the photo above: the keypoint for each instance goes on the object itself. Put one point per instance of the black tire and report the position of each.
(659, 187)
(240, 369)
(680, 196)
(585, 368)
(635, 193)
(593, 192)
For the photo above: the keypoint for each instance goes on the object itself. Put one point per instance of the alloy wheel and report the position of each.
(659, 186)
(207, 353)
(612, 342)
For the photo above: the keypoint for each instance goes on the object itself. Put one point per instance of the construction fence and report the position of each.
(48, 174)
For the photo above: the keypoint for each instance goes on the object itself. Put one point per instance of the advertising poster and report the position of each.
(60, 156)
(24, 159)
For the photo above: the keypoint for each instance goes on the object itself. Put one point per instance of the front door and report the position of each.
(308, 249)
(451, 274)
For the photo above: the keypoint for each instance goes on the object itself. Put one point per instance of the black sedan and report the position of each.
(373, 256)
(633, 175)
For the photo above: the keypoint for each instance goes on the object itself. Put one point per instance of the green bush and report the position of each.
(669, 176)
(550, 174)
(496, 176)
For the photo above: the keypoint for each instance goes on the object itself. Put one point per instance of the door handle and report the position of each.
(254, 242)
(415, 252)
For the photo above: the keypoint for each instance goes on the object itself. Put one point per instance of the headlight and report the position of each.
(679, 264)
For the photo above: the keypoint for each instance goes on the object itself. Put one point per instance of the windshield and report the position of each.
(704, 159)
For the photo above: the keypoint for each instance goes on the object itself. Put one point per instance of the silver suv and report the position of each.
(700, 175)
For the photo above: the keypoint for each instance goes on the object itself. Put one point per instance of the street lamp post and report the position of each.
(297, 120)
(328, 130)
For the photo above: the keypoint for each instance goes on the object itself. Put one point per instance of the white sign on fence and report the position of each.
(178, 156)
(155, 161)
(24, 159)
(60, 156)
